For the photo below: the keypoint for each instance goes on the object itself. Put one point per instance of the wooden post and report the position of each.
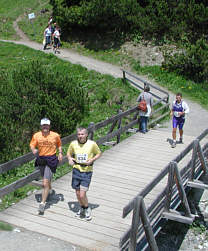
(135, 115)
(193, 160)
(202, 160)
(167, 100)
(147, 228)
(170, 183)
(112, 126)
(124, 76)
(181, 190)
(91, 129)
(135, 224)
(119, 126)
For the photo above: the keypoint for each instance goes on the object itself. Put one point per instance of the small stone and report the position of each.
(200, 246)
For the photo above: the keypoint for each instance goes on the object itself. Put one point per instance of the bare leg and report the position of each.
(82, 198)
(181, 133)
(174, 133)
(46, 188)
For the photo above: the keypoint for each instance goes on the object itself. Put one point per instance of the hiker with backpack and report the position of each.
(178, 112)
(145, 101)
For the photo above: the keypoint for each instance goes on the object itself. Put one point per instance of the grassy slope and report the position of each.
(12, 9)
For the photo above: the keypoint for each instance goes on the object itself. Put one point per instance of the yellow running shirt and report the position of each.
(83, 152)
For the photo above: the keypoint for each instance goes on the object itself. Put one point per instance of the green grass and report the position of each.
(105, 49)
(5, 226)
(10, 10)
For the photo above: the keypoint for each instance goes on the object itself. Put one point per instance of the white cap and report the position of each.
(45, 121)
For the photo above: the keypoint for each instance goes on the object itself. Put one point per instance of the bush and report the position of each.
(160, 19)
(33, 91)
(191, 62)
(97, 14)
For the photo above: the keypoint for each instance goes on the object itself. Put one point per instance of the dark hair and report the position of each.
(179, 94)
(146, 88)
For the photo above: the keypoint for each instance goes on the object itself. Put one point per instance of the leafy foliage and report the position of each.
(158, 19)
(30, 92)
(191, 62)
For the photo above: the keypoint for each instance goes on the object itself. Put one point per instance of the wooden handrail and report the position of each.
(144, 81)
(181, 182)
(114, 119)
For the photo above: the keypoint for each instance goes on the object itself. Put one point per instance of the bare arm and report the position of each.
(90, 161)
(70, 159)
(60, 156)
(34, 150)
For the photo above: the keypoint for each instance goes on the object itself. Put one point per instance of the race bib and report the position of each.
(176, 114)
(82, 158)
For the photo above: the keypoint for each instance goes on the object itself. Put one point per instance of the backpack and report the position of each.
(142, 106)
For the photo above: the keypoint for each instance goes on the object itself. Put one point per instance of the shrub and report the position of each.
(191, 62)
(160, 19)
(33, 91)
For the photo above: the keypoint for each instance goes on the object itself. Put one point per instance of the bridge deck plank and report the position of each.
(119, 175)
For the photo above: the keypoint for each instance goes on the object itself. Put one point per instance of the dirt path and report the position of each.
(196, 122)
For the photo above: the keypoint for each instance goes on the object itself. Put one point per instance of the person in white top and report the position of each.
(56, 39)
(178, 111)
(47, 36)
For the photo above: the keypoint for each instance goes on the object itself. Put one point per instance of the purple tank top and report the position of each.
(177, 107)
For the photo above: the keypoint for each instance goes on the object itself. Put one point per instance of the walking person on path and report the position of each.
(44, 145)
(178, 111)
(47, 36)
(81, 155)
(56, 38)
(144, 115)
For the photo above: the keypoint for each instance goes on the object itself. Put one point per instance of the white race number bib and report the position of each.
(82, 157)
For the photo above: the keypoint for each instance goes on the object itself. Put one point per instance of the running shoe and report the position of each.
(88, 216)
(80, 213)
(180, 141)
(41, 208)
(173, 144)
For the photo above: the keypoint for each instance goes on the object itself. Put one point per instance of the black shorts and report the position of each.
(56, 42)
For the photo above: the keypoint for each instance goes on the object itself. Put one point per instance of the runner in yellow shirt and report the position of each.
(44, 145)
(81, 155)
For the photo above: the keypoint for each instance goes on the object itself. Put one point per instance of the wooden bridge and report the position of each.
(135, 184)
(119, 175)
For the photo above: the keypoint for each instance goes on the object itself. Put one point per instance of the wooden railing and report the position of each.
(117, 124)
(145, 221)
(136, 81)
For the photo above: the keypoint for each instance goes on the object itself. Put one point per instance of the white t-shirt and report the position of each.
(56, 34)
(47, 32)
